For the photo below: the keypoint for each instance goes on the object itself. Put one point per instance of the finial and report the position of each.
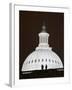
(43, 27)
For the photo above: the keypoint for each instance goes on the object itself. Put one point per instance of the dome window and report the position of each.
(46, 60)
(53, 61)
(38, 60)
(42, 60)
(35, 60)
(49, 60)
(32, 61)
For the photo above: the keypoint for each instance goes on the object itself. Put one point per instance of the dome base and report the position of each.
(44, 46)
(42, 73)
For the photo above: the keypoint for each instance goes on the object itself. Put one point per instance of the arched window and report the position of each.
(46, 66)
(46, 60)
(32, 61)
(35, 60)
(42, 67)
(42, 60)
(38, 60)
(53, 61)
(49, 60)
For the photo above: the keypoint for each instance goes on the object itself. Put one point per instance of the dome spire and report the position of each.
(43, 27)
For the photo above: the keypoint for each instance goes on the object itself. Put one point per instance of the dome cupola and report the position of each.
(43, 39)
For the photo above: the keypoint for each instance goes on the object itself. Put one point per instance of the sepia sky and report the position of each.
(30, 24)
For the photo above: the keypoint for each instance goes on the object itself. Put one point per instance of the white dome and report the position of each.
(43, 57)
(46, 58)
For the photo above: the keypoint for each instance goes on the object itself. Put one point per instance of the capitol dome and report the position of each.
(43, 58)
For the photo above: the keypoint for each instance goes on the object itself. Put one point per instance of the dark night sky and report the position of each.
(30, 24)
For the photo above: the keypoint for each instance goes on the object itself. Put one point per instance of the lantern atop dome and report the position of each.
(43, 39)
